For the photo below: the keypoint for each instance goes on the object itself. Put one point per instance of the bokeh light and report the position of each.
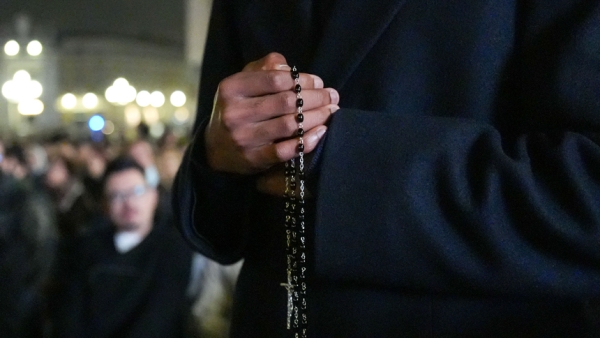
(34, 48)
(143, 98)
(11, 48)
(178, 98)
(30, 107)
(157, 99)
(90, 101)
(96, 123)
(68, 101)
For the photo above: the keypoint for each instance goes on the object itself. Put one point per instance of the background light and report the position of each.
(157, 130)
(121, 92)
(157, 99)
(34, 48)
(22, 76)
(109, 128)
(96, 123)
(11, 48)
(121, 82)
(143, 98)
(181, 115)
(21, 88)
(90, 101)
(30, 107)
(133, 117)
(150, 115)
(68, 101)
(178, 98)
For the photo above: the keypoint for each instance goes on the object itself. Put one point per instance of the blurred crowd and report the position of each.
(52, 196)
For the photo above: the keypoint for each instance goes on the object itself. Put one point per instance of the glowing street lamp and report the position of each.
(121, 92)
(157, 99)
(178, 98)
(68, 101)
(30, 107)
(34, 48)
(11, 48)
(21, 88)
(90, 101)
(143, 98)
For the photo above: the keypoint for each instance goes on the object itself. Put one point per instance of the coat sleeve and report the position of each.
(208, 206)
(446, 204)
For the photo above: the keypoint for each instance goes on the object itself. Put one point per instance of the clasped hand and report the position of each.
(253, 126)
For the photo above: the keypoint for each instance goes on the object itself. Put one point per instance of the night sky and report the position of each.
(159, 20)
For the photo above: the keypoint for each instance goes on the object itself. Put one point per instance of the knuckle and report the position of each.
(228, 118)
(273, 58)
(289, 123)
(238, 140)
(287, 101)
(276, 80)
(225, 88)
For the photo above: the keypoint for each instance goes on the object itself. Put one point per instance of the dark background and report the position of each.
(160, 21)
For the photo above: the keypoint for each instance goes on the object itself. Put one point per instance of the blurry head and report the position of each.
(37, 158)
(60, 172)
(131, 203)
(142, 152)
(14, 162)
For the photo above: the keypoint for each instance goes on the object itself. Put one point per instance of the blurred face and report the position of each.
(142, 153)
(57, 175)
(131, 202)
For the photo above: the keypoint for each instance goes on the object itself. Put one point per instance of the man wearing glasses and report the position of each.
(129, 279)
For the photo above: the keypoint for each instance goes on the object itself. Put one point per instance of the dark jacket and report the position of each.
(140, 293)
(27, 248)
(457, 191)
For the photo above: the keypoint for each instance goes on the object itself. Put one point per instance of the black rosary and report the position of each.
(295, 227)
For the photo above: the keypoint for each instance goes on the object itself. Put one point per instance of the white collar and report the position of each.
(125, 241)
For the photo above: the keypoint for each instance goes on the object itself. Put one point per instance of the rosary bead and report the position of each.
(299, 103)
(300, 117)
(301, 147)
(297, 88)
(295, 74)
(300, 132)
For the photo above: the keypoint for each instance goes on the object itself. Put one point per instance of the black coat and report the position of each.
(457, 191)
(140, 293)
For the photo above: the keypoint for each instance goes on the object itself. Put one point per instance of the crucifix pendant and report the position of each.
(290, 298)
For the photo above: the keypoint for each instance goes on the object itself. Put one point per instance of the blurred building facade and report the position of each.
(96, 82)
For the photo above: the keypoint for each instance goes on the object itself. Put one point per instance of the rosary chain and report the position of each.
(295, 227)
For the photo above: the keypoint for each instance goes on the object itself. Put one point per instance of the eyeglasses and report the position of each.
(122, 196)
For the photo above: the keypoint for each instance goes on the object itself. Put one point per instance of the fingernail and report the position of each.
(283, 67)
(321, 132)
(333, 108)
(317, 82)
(333, 94)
